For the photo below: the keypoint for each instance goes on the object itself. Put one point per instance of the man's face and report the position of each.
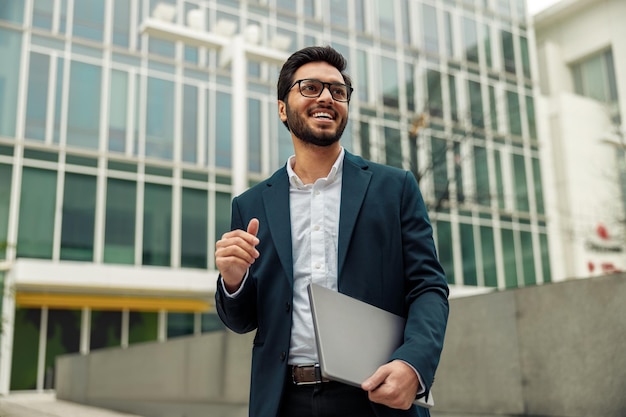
(318, 121)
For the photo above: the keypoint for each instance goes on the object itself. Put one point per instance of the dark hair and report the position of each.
(304, 56)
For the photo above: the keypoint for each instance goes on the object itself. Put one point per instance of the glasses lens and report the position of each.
(313, 88)
(339, 92)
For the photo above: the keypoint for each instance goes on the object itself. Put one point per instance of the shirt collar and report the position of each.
(335, 171)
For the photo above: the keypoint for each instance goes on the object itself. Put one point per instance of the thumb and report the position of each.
(253, 227)
(374, 381)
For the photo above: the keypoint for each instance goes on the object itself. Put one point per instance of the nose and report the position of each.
(326, 95)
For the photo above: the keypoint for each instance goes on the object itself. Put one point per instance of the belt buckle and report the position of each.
(317, 370)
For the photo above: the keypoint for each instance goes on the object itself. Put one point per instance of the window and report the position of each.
(476, 104)
(515, 118)
(508, 51)
(545, 258)
(481, 173)
(190, 124)
(142, 327)
(521, 186)
(386, 20)
(493, 108)
(508, 255)
(79, 211)
(389, 82)
(83, 118)
(25, 348)
(119, 229)
(338, 12)
(157, 225)
(13, 11)
(435, 98)
(364, 135)
(499, 181)
(160, 119)
(254, 135)
(454, 115)
(470, 39)
(468, 253)
(393, 147)
(5, 200)
(487, 45)
(42, 14)
(430, 29)
(440, 171)
(37, 208)
(538, 184)
(445, 249)
(222, 214)
(528, 260)
(488, 256)
(10, 47)
(106, 329)
(179, 324)
(89, 19)
(594, 77)
(409, 83)
(523, 42)
(194, 243)
(530, 113)
(118, 111)
(121, 22)
(223, 130)
(36, 108)
(362, 73)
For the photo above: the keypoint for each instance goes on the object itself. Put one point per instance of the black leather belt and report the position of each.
(307, 374)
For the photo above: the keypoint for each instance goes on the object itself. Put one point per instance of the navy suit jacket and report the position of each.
(386, 257)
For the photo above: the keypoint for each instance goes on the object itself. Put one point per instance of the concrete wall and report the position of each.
(556, 350)
(189, 376)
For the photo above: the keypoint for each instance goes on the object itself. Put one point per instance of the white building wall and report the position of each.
(583, 196)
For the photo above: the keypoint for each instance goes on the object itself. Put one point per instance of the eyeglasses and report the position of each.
(313, 88)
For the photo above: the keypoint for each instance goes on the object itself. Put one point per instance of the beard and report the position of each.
(299, 127)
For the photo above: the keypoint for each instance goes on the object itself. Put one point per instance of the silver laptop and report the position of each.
(353, 338)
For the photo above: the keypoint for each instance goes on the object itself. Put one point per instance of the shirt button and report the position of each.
(318, 266)
(317, 192)
(316, 228)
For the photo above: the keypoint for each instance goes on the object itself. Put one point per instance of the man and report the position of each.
(331, 218)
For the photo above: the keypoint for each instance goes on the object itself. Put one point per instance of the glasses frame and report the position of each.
(349, 89)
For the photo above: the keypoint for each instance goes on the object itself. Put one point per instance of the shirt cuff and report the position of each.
(236, 293)
(422, 388)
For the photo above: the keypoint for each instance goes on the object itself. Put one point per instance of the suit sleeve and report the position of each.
(426, 295)
(237, 313)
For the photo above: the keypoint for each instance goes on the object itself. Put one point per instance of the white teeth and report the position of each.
(321, 114)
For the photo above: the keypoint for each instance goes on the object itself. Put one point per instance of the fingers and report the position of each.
(253, 227)
(376, 379)
(235, 252)
(394, 384)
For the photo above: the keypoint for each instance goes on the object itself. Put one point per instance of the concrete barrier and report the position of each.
(556, 350)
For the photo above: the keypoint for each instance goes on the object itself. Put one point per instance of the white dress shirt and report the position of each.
(314, 212)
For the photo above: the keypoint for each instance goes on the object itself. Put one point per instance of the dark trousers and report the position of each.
(328, 399)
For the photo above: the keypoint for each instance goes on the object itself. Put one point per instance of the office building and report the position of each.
(117, 166)
(581, 49)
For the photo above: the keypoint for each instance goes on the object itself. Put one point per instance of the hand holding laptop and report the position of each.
(388, 380)
(354, 342)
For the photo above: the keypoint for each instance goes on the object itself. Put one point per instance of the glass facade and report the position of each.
(115, 145)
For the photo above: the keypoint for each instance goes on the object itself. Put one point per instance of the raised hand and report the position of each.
(235, 252)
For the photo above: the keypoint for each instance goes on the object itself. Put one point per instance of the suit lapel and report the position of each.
(355, 180)
(276, 203)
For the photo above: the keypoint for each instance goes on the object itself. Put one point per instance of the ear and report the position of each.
(282, 110)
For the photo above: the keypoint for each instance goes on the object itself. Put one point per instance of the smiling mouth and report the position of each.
(321, 115)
